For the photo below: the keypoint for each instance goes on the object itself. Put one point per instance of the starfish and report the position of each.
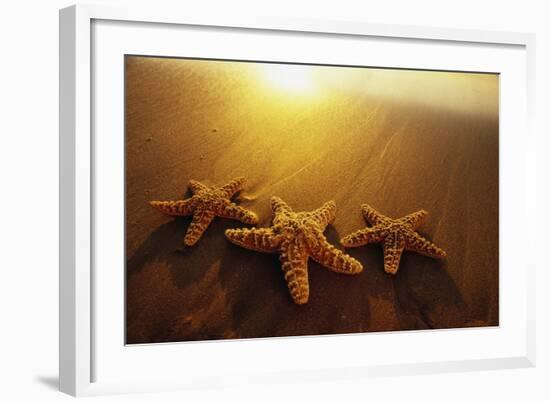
(205, 204)
(296, 237)
(396, 235)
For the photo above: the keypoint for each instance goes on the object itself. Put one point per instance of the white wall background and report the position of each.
(29, 196)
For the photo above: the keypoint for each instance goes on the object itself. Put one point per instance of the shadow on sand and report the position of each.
(261, 305)
(422, 293)
(256, 302)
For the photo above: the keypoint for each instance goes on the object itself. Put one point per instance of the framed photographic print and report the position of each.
(236, 195)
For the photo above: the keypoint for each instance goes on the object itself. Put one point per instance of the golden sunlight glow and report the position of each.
(296, 78)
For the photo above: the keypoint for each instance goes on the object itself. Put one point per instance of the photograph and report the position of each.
(267, 199)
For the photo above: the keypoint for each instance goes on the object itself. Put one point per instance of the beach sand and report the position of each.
(398, 140)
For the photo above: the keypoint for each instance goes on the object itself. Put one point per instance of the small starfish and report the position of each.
(206, 203)
(296, 237)
(395, 235)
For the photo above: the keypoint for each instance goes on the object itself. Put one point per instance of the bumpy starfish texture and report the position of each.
(296, 237)
(205, 204)
(396, 235)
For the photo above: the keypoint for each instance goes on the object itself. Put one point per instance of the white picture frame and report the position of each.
(80, 349)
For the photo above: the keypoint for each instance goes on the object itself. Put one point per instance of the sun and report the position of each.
(290, 77)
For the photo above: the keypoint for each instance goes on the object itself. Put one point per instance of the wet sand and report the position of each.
(399, 140)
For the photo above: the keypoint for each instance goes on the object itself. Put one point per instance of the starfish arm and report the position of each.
(279, 206)
(334, 259)
(419, 244)
(393, 249)
(415, 219)
(372, 215)
(255, 239)
(232, 187)
(231, 211)
(201, 220)
(196, 186)
(175, 208)
(364, 236)
(293, 257)
(325, 214)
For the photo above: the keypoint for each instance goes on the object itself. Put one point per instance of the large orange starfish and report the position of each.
(206, 203)
(395, 235)
(296, 237)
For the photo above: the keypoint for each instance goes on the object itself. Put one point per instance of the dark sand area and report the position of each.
(399, 140)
